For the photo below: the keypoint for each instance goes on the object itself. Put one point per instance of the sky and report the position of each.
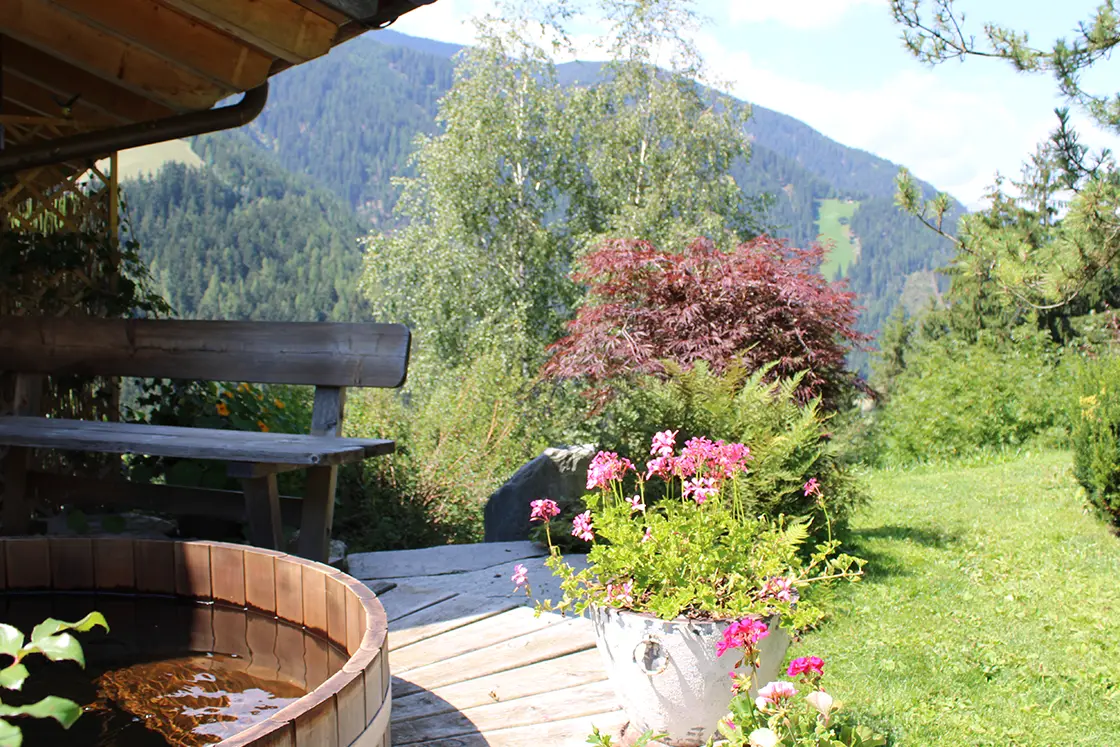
(841, 67)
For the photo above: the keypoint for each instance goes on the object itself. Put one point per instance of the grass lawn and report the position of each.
(991, 611)
(829, 213)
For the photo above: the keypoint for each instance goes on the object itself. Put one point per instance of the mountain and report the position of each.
(239, 237)
(345, 125)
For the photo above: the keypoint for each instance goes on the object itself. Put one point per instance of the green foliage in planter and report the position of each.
(789, 440)
(50, 638)
(1096, 434)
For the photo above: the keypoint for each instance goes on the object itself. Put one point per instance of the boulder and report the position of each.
(559, 474)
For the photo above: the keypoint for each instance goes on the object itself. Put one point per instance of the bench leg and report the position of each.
(16, 517)
(262, 504)
(318, 514)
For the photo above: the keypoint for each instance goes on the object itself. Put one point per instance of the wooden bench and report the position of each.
(331, 357)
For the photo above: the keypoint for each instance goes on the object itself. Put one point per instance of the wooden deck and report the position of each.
(471, 664)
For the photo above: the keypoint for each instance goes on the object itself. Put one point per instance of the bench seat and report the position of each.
(187, 443)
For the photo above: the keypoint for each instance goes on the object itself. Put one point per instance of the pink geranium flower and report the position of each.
(701, 489)
(662, 466)
(779, 588)
(812, 487)
(543, 509)
(663, 444)
(520, 576)
(774, 694)
(806, 664)
(581, 527)
(646, 536)
(621, 593)
(636, 504)
(744, 634)
(606, 467)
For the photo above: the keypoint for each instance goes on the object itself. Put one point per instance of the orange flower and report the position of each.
(227, 394)
(278, 403)
(263, 426)
(223, 410)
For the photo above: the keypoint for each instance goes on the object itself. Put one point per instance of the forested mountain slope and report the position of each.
(345, 124)
(242, 238)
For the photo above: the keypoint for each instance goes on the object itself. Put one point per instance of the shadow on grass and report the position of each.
(882, 562)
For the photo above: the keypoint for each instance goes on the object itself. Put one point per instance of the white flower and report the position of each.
(763, 738)
(822, 701)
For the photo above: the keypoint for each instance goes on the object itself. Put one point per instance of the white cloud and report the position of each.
(798, 14)
(955, 137)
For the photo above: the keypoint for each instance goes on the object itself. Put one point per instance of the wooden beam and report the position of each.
(32, 98)
(279, 27)
(39, 24)
(174, 37)
(65, 80)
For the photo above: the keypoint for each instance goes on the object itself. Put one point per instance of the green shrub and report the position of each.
(1096, 434)
(788, 439)
(956, 398)
(459, 436)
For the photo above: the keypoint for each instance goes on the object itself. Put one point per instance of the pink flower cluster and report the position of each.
(581, 527)
(543, 509)
(744, 634)
(774, 694)
(621, 594)
(606, 467)
(812, 487)
(707, 462)
(812, 665)
(779, 588)
(520, 576)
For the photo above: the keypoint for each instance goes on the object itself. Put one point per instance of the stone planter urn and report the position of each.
(666, 673)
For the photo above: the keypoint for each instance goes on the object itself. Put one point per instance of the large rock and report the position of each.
(559, 474)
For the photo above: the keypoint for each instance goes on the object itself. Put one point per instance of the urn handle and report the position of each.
(650, 656)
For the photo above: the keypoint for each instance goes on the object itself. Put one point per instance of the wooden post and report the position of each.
(318, 502)
(16, 514)
(262, 505)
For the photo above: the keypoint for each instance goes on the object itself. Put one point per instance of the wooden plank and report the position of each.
(554, 674)
(46, 27)
(189, 443)
(567, 637)
(440, 618)
(325, 354)
(476, 635)
(559, 705)
(20, 92)
(406, 599)
(177, 38)
(570, 732)
(65, 80)
(279, 27)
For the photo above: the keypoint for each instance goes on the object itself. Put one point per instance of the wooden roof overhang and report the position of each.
(100, 65)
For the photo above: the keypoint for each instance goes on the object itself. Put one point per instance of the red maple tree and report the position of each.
(764, 301)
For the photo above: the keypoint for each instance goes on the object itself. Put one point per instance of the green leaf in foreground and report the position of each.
(10, 736)
(13, 677)
(11, 640)
(64, 711)
(50, 626)
(61, 647)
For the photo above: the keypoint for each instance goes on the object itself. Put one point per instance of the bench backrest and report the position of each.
(323, 354)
